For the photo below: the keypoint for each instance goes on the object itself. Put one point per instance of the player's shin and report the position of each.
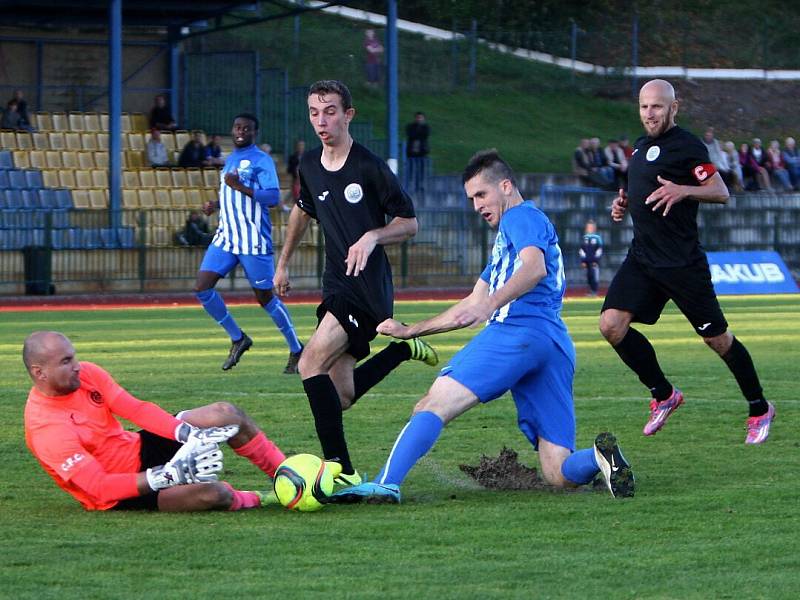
(280, 316)
(415, 440)
(215, 307)
(327, 410)
(262, 452)
(580, 467)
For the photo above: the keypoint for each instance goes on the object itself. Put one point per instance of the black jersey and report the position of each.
(676, 156)
(347, 203)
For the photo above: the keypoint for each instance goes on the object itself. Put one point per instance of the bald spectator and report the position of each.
(718, 157)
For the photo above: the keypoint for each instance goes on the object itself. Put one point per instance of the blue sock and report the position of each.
(418, 436)
(283, 321)
(580, 467)
(215, 307)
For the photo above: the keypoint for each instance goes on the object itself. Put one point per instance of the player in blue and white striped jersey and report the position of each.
(248, 188)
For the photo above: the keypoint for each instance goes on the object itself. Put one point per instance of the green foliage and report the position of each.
(706, 506)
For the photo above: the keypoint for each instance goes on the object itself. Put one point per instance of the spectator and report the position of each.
(752, 166)
(266, 148)
(718, 157)
(293, 169)
(791, 159)
(12, 119)
(194, 152)
(417, 133)
(777, 169)
(374, 52)
(22, 107)
(157, 154)
(626, 147)
(615, 157)
(590, 252)
(598, 162)
(213, 153)
(729, 149)
(161, 116)
(582, 166)
(195, 232)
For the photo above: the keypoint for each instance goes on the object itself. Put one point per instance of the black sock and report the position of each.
(327, 410)
(379, 366)
(640, 356)
(741, 365)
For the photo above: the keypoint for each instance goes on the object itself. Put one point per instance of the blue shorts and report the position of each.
(530, 364)
(259, 268)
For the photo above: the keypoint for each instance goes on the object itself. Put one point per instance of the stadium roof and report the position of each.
(136, 13)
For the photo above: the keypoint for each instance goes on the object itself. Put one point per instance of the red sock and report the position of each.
(242, 499)
(262, 453)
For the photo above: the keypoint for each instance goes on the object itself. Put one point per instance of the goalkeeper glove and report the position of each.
(186, 433)
(200, 465)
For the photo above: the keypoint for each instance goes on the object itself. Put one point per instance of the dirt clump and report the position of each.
(504, 472)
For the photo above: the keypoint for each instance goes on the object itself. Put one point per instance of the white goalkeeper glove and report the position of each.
(186, 433)
(198, 465)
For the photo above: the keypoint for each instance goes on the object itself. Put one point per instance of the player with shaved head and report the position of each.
(669, 175)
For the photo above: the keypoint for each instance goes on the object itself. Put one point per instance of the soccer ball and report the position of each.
(303, 481)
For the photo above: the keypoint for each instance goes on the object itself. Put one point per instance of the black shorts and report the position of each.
(359, 326)
(153, 452)
(644, 291)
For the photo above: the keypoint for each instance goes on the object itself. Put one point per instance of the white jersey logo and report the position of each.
(353, 193)
(652, 153)
(323, 195)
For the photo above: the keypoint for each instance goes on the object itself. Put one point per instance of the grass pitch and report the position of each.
(711, 517)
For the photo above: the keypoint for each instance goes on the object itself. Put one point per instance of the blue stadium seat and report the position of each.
(90, 238)
(4, 181)
(108, 238)
(30, 199)
(66, 239)
(47, 198)
(126, 237)
(13, 199)
(3, 204)
(6, 160)
(59, 218)
(63, 198)
(34, 178)
(16, 179)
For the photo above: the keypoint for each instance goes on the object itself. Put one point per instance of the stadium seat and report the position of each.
(147, 177)
(16, 179)
(53, 159)
(66, 178)
(100, 178)
(30, 199)
(73, 140)
(22, 159)
(179, 178)
(44, 121)
(47, 198)
(13, 199)
(98, 198)
(101, 159)
(182, 137)
(179, 199)
(41, 140)
(4, 180)
(135, 142)
(69, 159)
(33, 178)
(168, 139)
(89, 141)
(146, 198)
(80, 198)
(210, 194)
(162, 198)
(211, 177)
(163, 178)
(134, 159)
(193, 198)
(37, 160)
(90, 238)
(60, 121)
(50, 178)
(66, 239)
(86, 160)
(102, 141)
(130, 198)
(75, 121)
(195, 178)
(24, 140)
(56, 140)
(91, 121)
(8, 139)
(108, 237)
(104, 122)
(130, 179)
(126, 237)
(6, 160)
(63, 198)
(59, 217)
(83, 178)
(125, 118)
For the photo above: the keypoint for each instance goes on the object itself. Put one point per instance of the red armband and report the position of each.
(703, 171)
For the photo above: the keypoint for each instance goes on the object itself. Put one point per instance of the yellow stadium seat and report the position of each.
(130, 199)
(194, 199)
(60, 121)
(22, 159)
(179, 199)
(135, 141)
(89, 141)
(56, 140)
(86, 160)
(147, 177)
(66, 178)
(104, 122)
(163, 178)
(53, 159)
(24, 140)
(100, 178)
(211, 177)
(43, 120)
(8, 139)
(130, 179)
(98, 198)
(126, 122)
(168, 139)
(83, 178)
(73, 140)
(139, 122)
(102, 141)
(134, 159)
(37, 159)
(162, 198)
(80, 198)
(146, 199)
(41, 141)
(158, 236)
(69, 159)
(182, 137)
(91, 122)
(210, 194)
(195, 178)
(100, 159)
(179, 178)
(75, 121)
(50, 178)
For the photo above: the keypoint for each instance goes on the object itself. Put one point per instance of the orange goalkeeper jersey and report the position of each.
(81, 445)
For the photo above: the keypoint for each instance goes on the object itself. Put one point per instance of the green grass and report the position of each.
(711, 517)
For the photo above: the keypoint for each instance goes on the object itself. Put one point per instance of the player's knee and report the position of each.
(215, 495)
(226, 413)
(264, 297)
(552, 475)
(612, 329)
(720, 343)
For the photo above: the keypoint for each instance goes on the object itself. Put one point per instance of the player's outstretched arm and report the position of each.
(199, 465)
(396, 231)
(711, 189)
(298, 224)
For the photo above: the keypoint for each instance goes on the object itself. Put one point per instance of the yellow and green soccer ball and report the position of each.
(304, 481)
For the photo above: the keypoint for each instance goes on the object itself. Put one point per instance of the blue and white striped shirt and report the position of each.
(244, 223)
